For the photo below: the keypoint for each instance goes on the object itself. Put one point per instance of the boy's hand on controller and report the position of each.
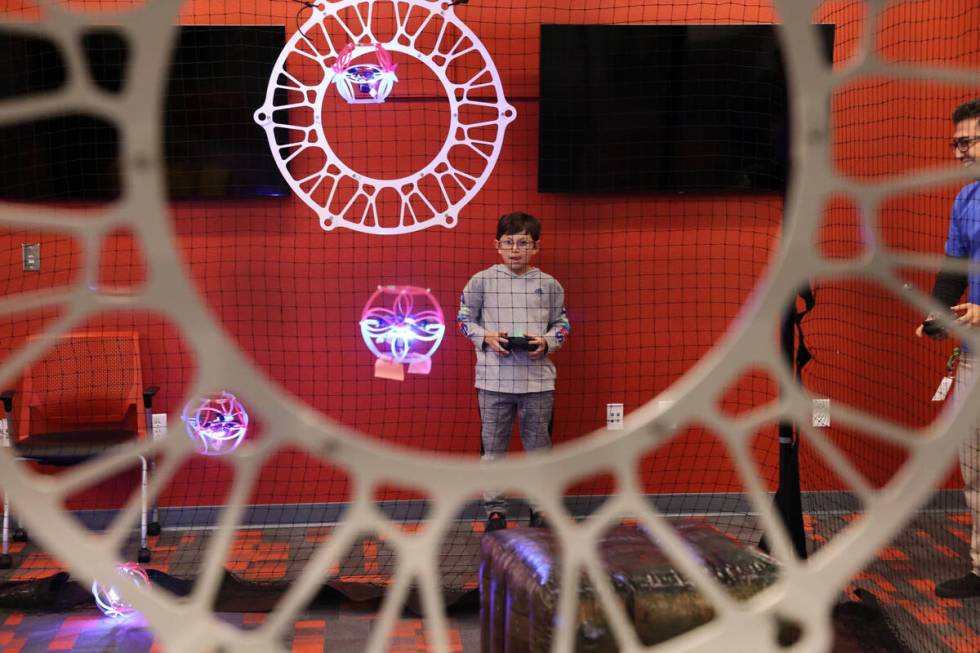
(539, 346)
(496, 341)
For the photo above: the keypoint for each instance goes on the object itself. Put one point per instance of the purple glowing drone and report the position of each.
(365, 82)
(108, 598)
(402, 324)
(217, 423)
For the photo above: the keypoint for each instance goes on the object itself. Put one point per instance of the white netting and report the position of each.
(806, 589)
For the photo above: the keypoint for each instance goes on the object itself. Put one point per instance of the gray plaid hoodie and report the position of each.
(497, 299)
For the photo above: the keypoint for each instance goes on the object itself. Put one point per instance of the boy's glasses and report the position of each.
(510, 243)
(963, 143)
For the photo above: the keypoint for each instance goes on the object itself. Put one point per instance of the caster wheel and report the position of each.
(20, 535)
(153, 528)
(143, 556)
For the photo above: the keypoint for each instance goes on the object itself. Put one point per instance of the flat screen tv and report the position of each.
(212, 147)
(664, 108)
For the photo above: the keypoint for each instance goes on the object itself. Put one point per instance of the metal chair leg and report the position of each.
(6, 562)
(144, 552)
(153, 527)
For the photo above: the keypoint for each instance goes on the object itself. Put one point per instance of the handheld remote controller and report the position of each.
(517, 343)
(934, 329)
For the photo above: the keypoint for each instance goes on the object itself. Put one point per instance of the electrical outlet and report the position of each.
(614, 417)
(31, 256)
(159, 425)
(821, 413)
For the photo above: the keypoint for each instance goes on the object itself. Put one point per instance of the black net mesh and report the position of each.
(337, 217)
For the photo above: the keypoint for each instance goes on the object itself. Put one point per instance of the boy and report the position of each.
(515, 316)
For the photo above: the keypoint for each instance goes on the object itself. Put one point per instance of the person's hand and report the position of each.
(918, 329)
(539, 347)
(495, 340)
(969, 314)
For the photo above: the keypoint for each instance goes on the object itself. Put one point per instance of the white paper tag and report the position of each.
(943, 388)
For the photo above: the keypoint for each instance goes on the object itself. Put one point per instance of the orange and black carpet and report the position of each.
(894, 596)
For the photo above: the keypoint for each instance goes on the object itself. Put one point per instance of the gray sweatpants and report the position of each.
(970, 458)
(497, 412)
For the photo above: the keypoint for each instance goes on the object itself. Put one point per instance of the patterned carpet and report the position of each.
(901, 581)
(933, 548)
(273, 557)
(342, 629)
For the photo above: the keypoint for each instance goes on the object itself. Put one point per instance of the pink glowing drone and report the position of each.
(364, 82)
(108, 598)
(397, 331)
(217, 423)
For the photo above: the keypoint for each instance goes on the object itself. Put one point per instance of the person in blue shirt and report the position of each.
(963, 242)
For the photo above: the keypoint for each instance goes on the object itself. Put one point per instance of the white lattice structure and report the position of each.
(806, 589)
(315, 43)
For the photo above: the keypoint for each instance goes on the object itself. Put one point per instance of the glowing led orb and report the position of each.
(108, 598)
(402, 324)
(217, 423)
(364, 82)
